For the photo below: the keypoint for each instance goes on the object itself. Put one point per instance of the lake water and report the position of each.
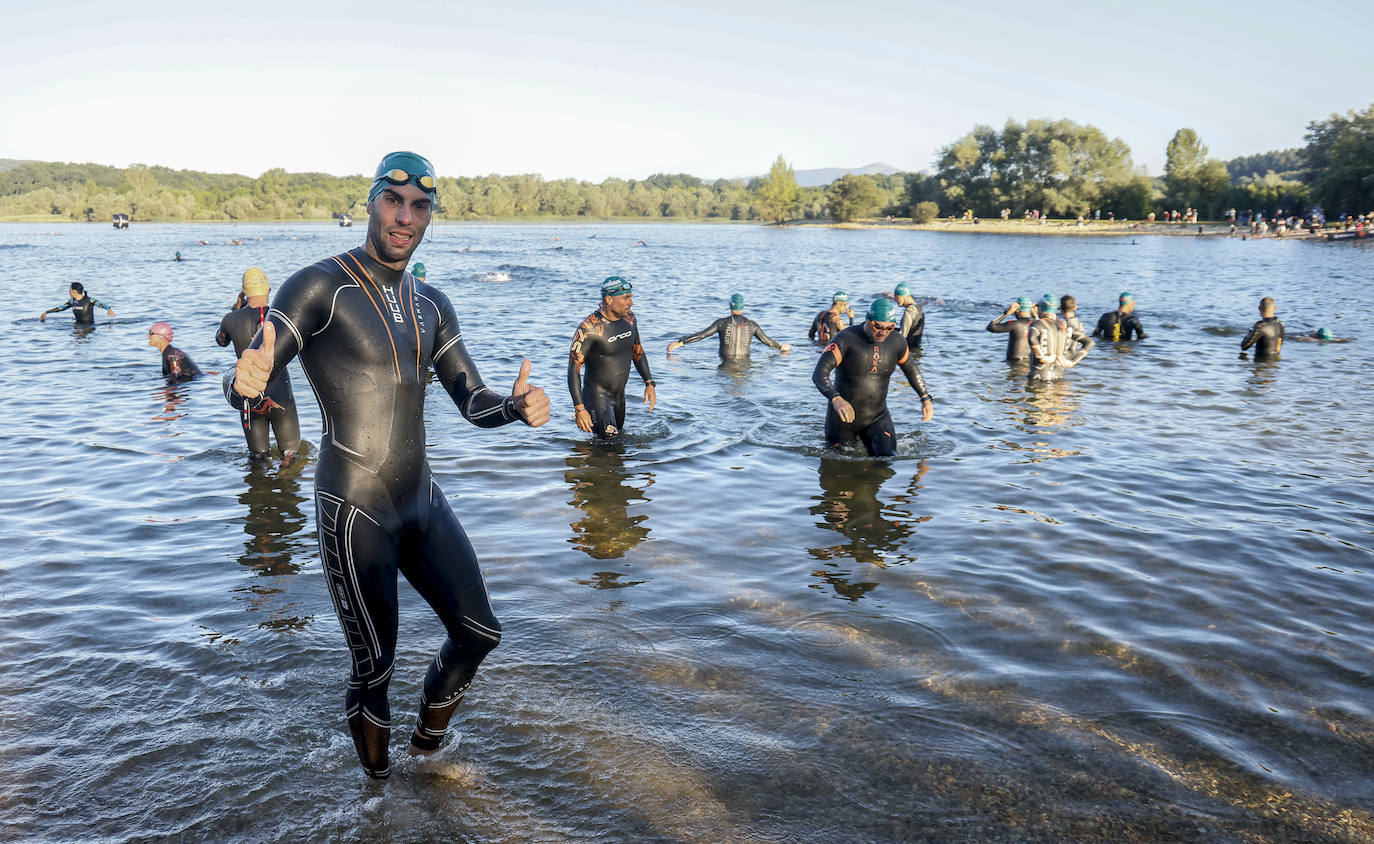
(1134, 604)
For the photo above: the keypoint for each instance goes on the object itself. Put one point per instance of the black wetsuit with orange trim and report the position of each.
(862, 370)
(177, 366)
(607, 348)
(1267, 338)
(278, 415)
(826, 325)
(366, 336)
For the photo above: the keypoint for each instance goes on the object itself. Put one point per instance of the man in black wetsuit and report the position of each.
(913, 326)
(177, 366)
(865, 356)
(832, 320)
(1120, 324)
(278, 412)
(1018, 329)
(736, 333)
(83, 306)
(607, 341)
(367, 333)
(1266, 335)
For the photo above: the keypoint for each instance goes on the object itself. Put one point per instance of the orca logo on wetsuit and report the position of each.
(619, 337)
(393, 303)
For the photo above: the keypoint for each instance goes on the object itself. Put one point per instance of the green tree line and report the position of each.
(1056, 167)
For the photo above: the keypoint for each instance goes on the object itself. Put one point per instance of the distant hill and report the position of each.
(11, 163)
(826, 175)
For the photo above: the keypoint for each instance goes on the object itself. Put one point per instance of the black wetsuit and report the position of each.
(1114, 326)
(864, 369)
(607, 347)
(83, 309)
(826, 325)
(1018, 344)
(1047, 339)
(1267, 338)
(177, 366)
(913, 324)
(279, 414)
(366, 336)
(736, 333)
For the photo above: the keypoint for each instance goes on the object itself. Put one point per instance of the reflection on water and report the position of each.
(273, 528)
(603, 490)
(850, 506)
(173, 396)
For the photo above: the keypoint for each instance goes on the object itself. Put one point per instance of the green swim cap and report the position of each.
(1049, 306)
(615, 286)
(1023, 304)
(840, 296)
(901, 290)
(401, 168)
(418, 270)
(884, 310)
(737, 302)
(1323, 334)
(1125, 298)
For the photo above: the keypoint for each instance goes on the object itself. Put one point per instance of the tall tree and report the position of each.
(1340, 162)
(852, 196)
(777, 196)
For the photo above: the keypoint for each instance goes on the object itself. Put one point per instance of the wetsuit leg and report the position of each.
(607, 410)
(837, 433)
(257, 433)
(287, 428)
(880, 438)
(442, 567)
(360, 564)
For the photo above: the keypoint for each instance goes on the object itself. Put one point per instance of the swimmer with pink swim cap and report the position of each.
(177, 366)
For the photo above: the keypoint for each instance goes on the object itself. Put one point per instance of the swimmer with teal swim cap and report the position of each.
(736, 333)
(404, 168)
(833, 319)
(607, 343)
(913, 326)
(1015, 323)
(418, 270)
(1324, 334)
(1122, 323)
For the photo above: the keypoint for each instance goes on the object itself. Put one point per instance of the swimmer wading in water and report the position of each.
(736, 333)
(278, 412)
(367, 332)
(607, 342)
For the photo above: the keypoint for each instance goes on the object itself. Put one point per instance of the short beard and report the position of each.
(386, 253)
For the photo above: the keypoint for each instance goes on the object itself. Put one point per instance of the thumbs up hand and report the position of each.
(255, 365)
(529, 401)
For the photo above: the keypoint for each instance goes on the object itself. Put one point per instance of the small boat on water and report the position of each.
(120, 221)
(345, 221)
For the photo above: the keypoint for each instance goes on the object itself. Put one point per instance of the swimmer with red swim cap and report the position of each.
(177, 366)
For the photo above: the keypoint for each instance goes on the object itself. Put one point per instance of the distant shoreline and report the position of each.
(1096, 228)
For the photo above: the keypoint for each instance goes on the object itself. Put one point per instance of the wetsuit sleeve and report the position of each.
(577, 354)
(99, 304)
(641, 360)
(815, 326)
(60, 308)
(997, 326)
(820, 376)
(302, 306)
(1133, 324)
(765, 339)
(1101, 329)
(1252, 336)
(913, 375)
(456, 371)
(713, 328)
(222, 336)
(1079, 346)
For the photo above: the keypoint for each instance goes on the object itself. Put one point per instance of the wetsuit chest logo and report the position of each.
(393, 303)
(619, 337)
(877, 356)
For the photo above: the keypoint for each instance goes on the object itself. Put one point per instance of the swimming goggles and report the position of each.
(400, 177)
(884, 326)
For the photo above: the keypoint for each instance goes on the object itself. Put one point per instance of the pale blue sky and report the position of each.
(597, 89)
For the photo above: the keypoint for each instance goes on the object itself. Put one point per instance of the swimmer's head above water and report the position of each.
(840, 298)
(400, 206)
(159, 334)
(901, 290)
(616, 297)
(1323, 334)
(1024, 305)
(737, 304)
(1048, 305)
(255, 282)
(418, 270)
(1126, 302)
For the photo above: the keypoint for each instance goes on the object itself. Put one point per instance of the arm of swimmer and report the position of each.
(456, 370)
(765, 339)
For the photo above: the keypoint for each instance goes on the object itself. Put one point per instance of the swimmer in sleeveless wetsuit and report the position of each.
(736, 333)
(279, 411)
(83, 306)
(607, 342)
(865, 356)
(1018, 329)
(367, 333)
(1266, 335)
(913, 326)
(832, 320)
(1118, 325)
(177, 366)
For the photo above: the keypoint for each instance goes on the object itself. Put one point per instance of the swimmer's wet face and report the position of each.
(399, 216)
(880, 330)
(618, 306)
(78, 295)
